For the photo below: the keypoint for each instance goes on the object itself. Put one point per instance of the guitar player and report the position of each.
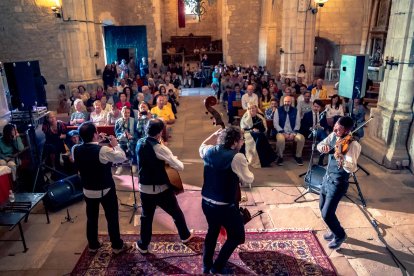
(224, 168)
(154, 185)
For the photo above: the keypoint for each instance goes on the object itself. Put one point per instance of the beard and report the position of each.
(287, 107)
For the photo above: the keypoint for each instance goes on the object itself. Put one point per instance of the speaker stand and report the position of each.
(308, 191)
(361, 196)
(68, 218)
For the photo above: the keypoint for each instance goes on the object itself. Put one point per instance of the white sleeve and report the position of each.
(164, 153)
(243, 102)
(114, 155)
(241, 168)
(351, 157)
(325, 142)
(203, 149)
(276, 121)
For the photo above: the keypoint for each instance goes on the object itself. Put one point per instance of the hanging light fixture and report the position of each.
(197, 7)
(318, 4)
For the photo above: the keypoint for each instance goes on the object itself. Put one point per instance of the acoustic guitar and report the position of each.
(175, 179)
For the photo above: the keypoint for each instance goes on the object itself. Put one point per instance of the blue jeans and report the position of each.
(229, 217)
(168, 202)
(330, 196)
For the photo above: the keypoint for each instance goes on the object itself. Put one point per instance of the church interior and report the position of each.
(55, 54)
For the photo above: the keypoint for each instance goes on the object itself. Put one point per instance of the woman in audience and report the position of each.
(129, 94)
(125, 133)
(79, 116)
(55, 132)
(74, 96)
(134, 87)
(64, 104)
(83, 94)
(265, 99)
(144, 115)
(105, 106)
(10, 145)
(123, 101)
(259, 153)
(98, 117)
(287, 82)
(99, 92)
(334, 110)
(113, 115)
(302, 73)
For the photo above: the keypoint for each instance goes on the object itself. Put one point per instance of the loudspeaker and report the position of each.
(26, 84)
(63, 193)
(314, 178)
(353, 76)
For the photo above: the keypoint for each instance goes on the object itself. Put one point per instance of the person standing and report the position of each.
(154, 185)
(335, 183)
(224, 168)
(94, 163)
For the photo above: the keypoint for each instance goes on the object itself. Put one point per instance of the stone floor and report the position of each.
(55, 248)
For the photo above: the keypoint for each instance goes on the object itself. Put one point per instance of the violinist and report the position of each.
(343, 155)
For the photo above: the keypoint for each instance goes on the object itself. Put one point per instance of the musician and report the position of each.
(335, 182)
(94, 163)
(154, 184)
(224, 168)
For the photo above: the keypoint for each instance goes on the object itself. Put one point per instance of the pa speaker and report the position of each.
(63, 193)
(314, 177)
(353, 76)
(26, 84)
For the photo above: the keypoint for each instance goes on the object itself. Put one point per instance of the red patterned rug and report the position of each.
(263, 253)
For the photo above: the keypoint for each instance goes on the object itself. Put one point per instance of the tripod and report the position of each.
(68, 218)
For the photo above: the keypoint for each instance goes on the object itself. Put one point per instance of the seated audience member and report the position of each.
(358, 115)
(170, 101)
(249, 97)
(234, 96)
(144, 115)
(112, 99)
(287, 123)
(125, 133)
(319, 92)
(302, 91)
(64, 103)
(83, 94)
(99, 92)
(312, 85)
(121, 86)
(129, 94)
(259, 153)
(275, 93)
(10, 145)
(162, 111)
(334, 111)
(173, 97)
(89, 103)
(270, 111)
(79, 116)
(147, 94)
(138, 99)
(105, 106)
(123, 101)
(305, 105)
(113, 115)
(98, 117)
(74, 96)
(313, 120)
(55, 132)
(288, 93)
(72, 139)
(265, 99)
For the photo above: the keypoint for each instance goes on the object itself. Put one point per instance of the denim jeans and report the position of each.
(229, 217)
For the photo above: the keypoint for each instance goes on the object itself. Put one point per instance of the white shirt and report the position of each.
(98, 119)
(332, 112)
(249, 99)
(106, 155)
(350, 164)
(239, 165)
(162, 153)
(287, 128)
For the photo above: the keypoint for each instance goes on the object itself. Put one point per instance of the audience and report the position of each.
(98, 116)
(10, 145)
(125, 131)
(334, 111)
(79, 116)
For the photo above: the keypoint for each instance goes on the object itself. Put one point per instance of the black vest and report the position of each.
(220, 182)
(94, 174)
(151, 169)
(334, 173)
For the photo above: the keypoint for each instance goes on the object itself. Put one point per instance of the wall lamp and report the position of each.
(318, 4)
(57, 11)
(394, 62)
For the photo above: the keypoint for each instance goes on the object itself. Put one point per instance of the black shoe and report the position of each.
(206, 269)
(328, 236)
(299, 161)
(279, 161)
(336, 243)
(224, 271)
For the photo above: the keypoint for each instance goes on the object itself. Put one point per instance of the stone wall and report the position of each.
(29, 32)
(340, 21)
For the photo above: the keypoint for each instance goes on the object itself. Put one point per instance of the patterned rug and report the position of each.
(263, 253)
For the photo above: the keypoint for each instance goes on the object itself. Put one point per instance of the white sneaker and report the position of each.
(134, 168)
(118, 170)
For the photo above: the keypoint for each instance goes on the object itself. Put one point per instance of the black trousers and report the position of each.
(229, 217)
(168, 202)
(329, 199)
(110, 205)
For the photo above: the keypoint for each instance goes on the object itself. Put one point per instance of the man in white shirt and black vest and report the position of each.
(335, 182)
(154, 185)
(94, 163)
(224, 169)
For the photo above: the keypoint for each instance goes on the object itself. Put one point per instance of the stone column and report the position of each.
(367, 7)
(157, 20)
(298, 37)
(388, 137)
(267, 35)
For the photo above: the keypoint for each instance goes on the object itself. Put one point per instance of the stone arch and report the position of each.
(325, 50)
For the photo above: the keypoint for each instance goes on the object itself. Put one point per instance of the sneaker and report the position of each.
(125, 247)
(336, 243)
(190, 237)
(328, 236)
(279, 161)
(136, 246)
(94, 250)
(134, 168)
(118, 170)
(299, 161)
